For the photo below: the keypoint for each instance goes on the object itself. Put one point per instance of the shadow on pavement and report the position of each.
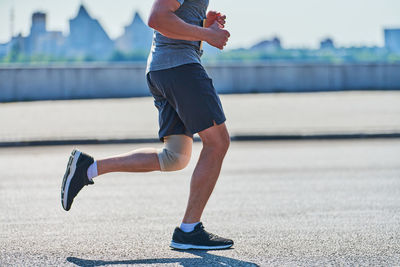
(204, 260)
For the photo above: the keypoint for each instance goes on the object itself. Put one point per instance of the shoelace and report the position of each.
(211, 235)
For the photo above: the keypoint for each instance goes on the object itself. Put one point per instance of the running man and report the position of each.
(187, 103)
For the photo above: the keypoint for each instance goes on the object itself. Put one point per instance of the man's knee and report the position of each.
(172, 161)
(176, 154)
(217, 139)
(223, 143)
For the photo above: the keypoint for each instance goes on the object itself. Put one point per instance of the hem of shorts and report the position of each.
(217, 122)
(161, 137)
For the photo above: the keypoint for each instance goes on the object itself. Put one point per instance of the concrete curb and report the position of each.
(237, 138)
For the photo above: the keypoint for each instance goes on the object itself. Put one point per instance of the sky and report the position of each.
(298, 23)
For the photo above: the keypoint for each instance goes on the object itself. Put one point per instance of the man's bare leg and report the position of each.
(215, 145)
(141, 160)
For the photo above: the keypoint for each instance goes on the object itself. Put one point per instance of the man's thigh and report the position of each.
(191, 92)
(169, 121)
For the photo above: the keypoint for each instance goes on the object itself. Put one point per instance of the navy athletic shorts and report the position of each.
(186, 100)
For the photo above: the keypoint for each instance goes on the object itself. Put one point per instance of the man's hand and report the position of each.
(217, 36)
(213, 16)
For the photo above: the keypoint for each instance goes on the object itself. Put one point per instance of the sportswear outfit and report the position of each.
(183, 93)
(187, 103)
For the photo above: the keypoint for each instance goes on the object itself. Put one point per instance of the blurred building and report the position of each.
(327, 44)
(87, 37)
(38, 30)
(14, 45)
(392, 40)
(39, 40)
(51, 43)
(3, 50)
(137, 36)
(268, 45)
(18, 44)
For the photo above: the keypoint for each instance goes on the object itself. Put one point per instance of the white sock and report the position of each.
(188, 227)
(92, 171)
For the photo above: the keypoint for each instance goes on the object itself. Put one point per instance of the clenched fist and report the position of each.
(217, 36)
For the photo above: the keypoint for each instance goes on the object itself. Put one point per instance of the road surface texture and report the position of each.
(295, 203)
(333, 113)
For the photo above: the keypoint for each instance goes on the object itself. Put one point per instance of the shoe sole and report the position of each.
(189, 246)
(69, 173)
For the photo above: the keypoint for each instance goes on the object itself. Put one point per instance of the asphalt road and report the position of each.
(283, 203)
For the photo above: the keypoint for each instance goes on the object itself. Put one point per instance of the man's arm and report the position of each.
(163, 19)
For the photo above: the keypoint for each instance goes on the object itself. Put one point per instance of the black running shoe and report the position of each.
(75, 177)
(198, 239)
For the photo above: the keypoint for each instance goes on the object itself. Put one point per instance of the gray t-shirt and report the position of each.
(168, 53)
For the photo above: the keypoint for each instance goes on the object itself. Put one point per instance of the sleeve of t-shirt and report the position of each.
(181, 1)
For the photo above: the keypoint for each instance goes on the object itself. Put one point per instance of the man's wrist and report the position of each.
(203, 34)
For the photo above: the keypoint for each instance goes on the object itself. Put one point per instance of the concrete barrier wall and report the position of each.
(71, 82)
(305, 77)
(19, 83)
